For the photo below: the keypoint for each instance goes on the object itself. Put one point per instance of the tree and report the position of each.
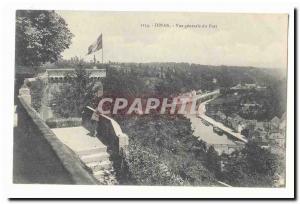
(128, 85)
(41, 36)
(72, 97)
(36, 89)
(251, 166)
(260, 160)
(162, 141)
(213, 161)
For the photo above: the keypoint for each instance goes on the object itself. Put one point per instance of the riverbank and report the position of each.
(204, 131)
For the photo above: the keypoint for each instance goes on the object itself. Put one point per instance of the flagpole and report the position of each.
(102, 48)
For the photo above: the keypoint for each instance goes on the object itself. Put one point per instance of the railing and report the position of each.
(58, 74)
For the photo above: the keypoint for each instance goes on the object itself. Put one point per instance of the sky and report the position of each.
(258, 40)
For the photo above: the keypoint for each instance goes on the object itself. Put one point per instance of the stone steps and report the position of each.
(97, 160)
(103, 171)
(92, 151)
(106, 177)
(94, 157)
(96, 166)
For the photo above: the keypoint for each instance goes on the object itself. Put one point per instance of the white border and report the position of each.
(76, 191)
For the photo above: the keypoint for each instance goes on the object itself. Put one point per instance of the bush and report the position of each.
(37, 90)
(145, 168)
(252, 166)
(163, 151)
(74, 96)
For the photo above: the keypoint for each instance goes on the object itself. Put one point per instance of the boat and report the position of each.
(218, 131)
(205, 123)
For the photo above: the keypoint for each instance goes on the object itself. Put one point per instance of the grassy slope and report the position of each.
(160, 144)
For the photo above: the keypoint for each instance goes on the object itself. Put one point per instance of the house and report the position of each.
(241, 127)
(267, 126)
(228, 121)
(277, 139)
(250, 123)
(274, 123)
(250, 86)
(199, 92)
(282, 125)
(261, 88)
(244, 86)
(274, 135)
(260, 126)
(248, 128)
(235, 123)
(237, 87)
(246, 107)
(211, 112)
(260, 136)
(281, 142)
(283, 117)
(220, 116)
(255, 130)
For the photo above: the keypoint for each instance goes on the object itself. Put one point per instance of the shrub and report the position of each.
(163, 151)
(72, 97)
(146, 168)
(37, 90)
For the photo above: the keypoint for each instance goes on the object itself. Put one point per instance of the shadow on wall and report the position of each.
(34, 161)
(39, 156)
(108, 131)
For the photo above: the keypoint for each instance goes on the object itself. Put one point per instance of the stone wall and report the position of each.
(108, 131)
(111, 131)
(227, 148)
(43, 158)
(59, 75)
(48, 160)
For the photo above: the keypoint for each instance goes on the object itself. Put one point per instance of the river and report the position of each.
(206, 132)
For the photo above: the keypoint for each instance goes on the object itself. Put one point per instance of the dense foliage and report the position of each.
(128, 85)
(41, 36)
(252, 166)
(163, 151)
(272, 102)
(72, 97)
(145, 168)
(37, 91)
(183, 77)
(269, 103)
(169, 79)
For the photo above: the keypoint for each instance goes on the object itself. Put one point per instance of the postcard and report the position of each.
(150, 99)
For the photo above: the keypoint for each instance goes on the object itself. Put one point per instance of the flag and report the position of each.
(97, 45)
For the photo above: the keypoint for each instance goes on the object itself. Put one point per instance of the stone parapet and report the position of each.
(68, 159)
(60, 75)
(115, 133)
